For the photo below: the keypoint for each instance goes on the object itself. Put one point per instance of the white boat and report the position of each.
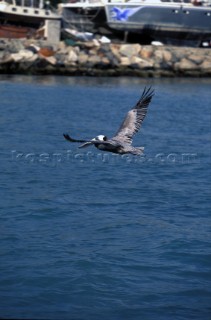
(178, 22)
(20, 18)
(168, 21)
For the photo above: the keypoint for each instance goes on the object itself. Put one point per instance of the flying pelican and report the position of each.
(121, 143)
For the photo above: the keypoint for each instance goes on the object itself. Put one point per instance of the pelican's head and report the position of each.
(100, 138)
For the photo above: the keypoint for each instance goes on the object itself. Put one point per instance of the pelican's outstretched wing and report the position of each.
(68, 138)
(134, 118)
(86, 143)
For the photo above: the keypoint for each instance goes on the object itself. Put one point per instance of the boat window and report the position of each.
(36, 11)
(47, 13)
(25, 10)
(14, 9)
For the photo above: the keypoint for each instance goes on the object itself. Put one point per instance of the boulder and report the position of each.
(51, 60)
(5, 57)
(22, 55)
(105, 61)
(140, 63)
(185, 64)
(46, 52)
(33, 58)
(114, 48)
(3, 45)
(206, 65)
(72, 56)
(114, 60)
(82, 58)
(93, 60)
(158, 55)
(196, 58)
(129, 50)
(147, 52)
(167, 56)
(124, 61)
(15, 45)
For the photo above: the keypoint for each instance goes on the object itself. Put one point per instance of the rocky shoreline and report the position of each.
(93, 58)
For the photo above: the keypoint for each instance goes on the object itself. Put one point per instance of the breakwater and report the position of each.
(94, 58)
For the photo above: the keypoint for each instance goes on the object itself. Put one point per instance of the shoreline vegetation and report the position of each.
(93, 58)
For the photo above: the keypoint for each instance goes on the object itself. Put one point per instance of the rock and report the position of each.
(3, 45)
(93, 52)
(33, 58)
(62, 47)
(88, 44)
(96, 43)
(105, 61)
(52, 60)
(130, 50)
(26, 54)
(93, 60)
(15, 45)
(82, 59)
(22, 55)
(72, 56)
(114, 60)
(33, 48)
(46, 52)
(61, 58)
(140, 63)
(147, 52)
(167, 56)
(179, 53)
(185, 64)
(206, 65)
(5, 58)
(114, 48)
(2, 55)
(158, 54)
(104, 48)
(196, 58)
(113, 54)
(124, 61)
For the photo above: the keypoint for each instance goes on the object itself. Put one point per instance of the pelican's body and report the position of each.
(121, 143)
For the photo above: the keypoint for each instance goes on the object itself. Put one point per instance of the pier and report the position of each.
(93, 58)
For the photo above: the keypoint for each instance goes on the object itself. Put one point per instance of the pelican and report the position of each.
(121, 143)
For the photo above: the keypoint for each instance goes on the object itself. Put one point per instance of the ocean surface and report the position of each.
(87, 235)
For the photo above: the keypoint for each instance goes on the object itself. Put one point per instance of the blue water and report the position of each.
(88, 235)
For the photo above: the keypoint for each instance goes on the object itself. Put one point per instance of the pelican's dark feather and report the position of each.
(68, 138)
(134, 117)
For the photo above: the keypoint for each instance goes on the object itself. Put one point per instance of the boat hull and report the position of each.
(173, 22)
(15, 32)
